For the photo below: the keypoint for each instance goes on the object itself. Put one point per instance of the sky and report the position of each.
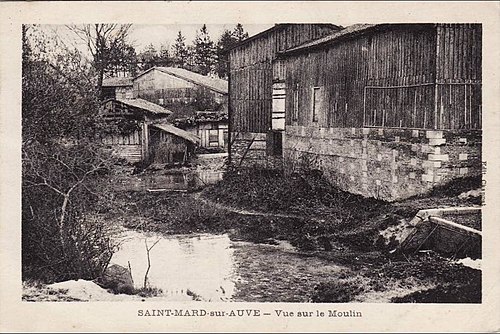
(143, 35)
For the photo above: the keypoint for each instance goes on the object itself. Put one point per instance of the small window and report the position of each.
(317, 99)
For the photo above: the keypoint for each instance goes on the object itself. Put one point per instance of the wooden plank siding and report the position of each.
(252, 73)
(389, 77)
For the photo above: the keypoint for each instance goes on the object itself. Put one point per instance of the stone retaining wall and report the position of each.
(389, 163)
(256, 156)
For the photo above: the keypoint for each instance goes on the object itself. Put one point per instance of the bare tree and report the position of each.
(103, 41)
(148, 250)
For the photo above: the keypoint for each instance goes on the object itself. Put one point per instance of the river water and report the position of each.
(213, 268)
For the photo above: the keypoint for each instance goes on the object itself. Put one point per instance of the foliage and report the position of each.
(205, 56)
(63, 167)
(180, 51)
(108, 46)
(226, 41)
(150, 57)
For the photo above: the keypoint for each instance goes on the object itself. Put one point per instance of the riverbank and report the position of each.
(289, 239)
(320, 222)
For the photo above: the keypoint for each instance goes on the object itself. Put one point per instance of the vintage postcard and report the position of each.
(249, 166)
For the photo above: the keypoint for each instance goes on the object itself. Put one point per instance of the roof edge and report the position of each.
(276, 26)
(312, 45)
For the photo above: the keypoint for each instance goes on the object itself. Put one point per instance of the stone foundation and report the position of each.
(389, 164)
(249, 150)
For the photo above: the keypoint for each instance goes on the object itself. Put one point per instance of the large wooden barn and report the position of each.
(385, 110)
(254, 71)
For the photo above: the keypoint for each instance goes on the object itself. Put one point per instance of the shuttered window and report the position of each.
(295, 109)
(317, 100)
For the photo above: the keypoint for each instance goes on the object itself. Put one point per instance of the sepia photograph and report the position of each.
(174, 165)
(309, 162)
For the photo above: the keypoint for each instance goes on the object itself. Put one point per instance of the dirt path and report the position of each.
(244, 212)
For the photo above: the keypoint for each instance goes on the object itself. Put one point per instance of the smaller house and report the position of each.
(116, 87)
(169, 144)
(142, 135)
(211, 127)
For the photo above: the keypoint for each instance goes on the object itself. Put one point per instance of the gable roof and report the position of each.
(276, 27)
(348, 32)
(117, 82)
(146, 105)
(177, 132)
(215, 84)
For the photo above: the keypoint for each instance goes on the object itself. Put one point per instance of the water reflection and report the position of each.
(201, 267)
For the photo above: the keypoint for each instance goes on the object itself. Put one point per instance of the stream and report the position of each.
(210, 267)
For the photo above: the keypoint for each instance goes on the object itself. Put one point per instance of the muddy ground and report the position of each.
(323, 223)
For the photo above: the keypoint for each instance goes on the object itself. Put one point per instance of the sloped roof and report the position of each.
(348, 31)
(177, 132)
(215, 84)
(278, 26)
(146, 105)
(117, 82)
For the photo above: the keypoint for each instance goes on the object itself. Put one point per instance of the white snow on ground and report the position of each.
(90, 291)
(468, 262)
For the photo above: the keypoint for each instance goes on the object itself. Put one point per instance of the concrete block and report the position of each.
(427, 178)
(380, 132)
(365, 175)
(302, 131)
(379, 157)
(394, 179)
(395, 153)
(414, 133)
(366, 131)
(437, 150)
(397, 139)
(464, 170)
(378, 182)
(342, 170)
(438, 157)
(353, 131)
(462, 156)
(462, 140)
(426, 148)
(364, 168)
(437, 141)
(434, 134)
(431, 164)
(412, 175)
(351, 178)
(364, 143)
(413, 162)
(322, 132)
(351, 142)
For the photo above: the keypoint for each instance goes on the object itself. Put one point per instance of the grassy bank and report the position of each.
(322, 222)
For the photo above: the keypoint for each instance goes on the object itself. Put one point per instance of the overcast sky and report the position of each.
(143, 35)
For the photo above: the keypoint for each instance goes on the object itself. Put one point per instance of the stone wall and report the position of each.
(389, 163)
(256, 156)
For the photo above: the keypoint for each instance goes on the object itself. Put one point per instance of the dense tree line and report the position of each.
(204, 55)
